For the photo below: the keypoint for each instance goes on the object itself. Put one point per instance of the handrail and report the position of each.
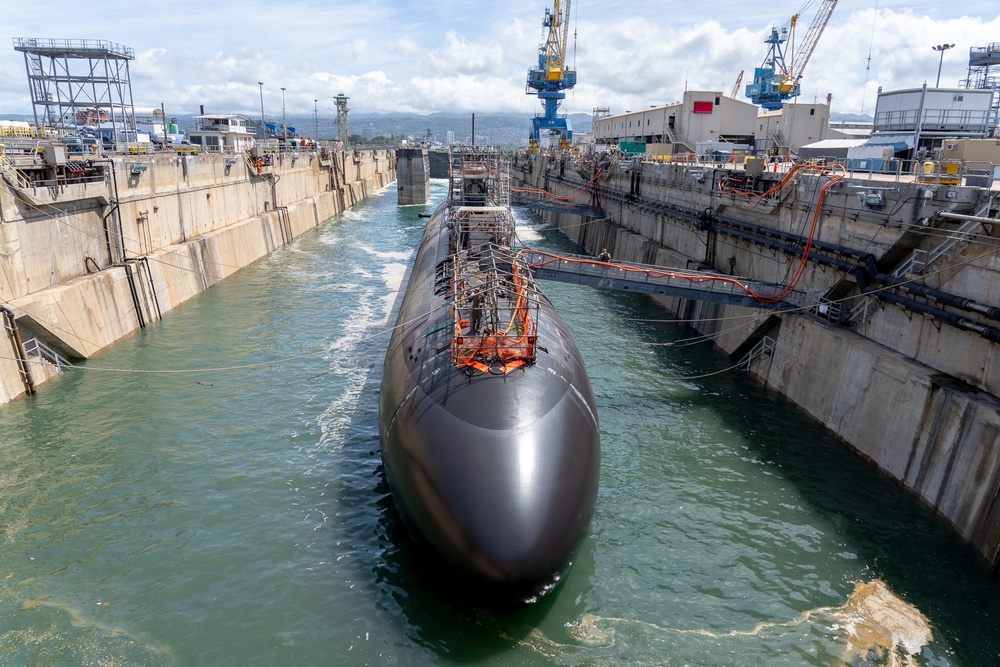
(920, 260)
(8, 166)
(32, 44)
(37, 348)
(763, 348)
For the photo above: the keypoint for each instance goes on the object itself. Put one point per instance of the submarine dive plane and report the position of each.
(488, 426)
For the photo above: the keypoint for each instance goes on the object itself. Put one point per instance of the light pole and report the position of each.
(942, 48)
(284, 123)
(263, 127)
(315, 121)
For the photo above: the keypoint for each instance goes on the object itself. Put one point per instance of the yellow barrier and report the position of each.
(18, 131)
(946, 173)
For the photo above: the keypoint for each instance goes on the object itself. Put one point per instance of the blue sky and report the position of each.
(422, 57)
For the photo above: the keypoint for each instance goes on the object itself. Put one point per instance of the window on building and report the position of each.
(812, 112)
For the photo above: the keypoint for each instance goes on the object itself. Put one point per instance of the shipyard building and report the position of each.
(708, 121)
(915, 123)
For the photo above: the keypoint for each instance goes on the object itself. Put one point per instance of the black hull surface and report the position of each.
(495, 472)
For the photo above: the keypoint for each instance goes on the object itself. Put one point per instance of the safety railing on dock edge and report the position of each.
(11, 173)
(945, 172)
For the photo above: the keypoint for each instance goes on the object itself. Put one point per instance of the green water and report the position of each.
(238, 516)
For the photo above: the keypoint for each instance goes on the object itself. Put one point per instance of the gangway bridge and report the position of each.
(659, 281)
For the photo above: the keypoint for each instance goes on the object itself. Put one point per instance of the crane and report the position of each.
(550, 78)
(775, 81)
(736, 86)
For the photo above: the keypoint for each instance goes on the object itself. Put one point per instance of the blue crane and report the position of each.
(550, 78)
(775, 81)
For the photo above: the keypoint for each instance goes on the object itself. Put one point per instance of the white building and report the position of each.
(850, 129)
(791, 127)
(222, 133)
(700, 117)
(924, 117)
(708, 120)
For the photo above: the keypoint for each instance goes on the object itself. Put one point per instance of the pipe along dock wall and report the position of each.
(906, 375)
(86, 264)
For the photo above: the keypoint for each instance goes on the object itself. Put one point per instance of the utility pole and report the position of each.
(284, 121)
(942, 48)
(263, 127)
(166, 137)
(315, 121)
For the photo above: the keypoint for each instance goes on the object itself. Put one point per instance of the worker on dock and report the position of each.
(605, 256)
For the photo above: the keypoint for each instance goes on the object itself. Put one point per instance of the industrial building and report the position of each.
(700, 117)
(924, 117)
(706, 121)
(918, 123)
(915, 122)
(793, 126)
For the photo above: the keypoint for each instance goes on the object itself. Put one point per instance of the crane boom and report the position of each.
(816, 28)
(736, 86)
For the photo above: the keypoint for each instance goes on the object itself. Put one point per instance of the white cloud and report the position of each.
(400, 55)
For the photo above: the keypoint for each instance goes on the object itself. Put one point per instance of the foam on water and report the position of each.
(873, 621)
(527, 234)
(399, 255)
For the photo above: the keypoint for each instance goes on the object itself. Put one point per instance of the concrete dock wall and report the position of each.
(72, 259)
(916, 396)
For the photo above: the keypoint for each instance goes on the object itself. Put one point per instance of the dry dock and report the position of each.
(894, 343)
(94, 254)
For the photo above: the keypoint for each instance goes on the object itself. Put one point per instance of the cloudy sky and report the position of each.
(446, 55)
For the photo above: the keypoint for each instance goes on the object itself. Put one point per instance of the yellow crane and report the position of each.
(555, 46)
(736, 86)
(801, 55)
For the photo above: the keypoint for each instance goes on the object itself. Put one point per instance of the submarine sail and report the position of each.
(487, 421)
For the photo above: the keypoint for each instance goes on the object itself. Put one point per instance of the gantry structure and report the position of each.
(80, 83)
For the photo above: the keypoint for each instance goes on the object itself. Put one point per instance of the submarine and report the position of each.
(487, 422)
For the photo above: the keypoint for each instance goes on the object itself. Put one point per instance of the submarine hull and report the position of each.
(495, 472)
